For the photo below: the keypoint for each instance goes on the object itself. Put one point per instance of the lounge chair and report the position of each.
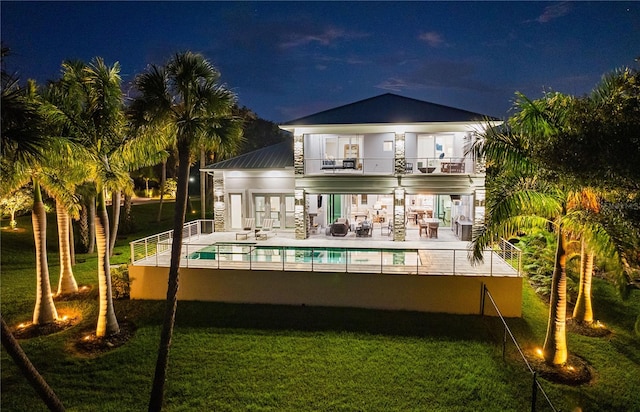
(247, 229)
(267, 227)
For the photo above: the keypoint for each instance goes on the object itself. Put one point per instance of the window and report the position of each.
(387, 146)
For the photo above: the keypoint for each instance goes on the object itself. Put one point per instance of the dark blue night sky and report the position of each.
(290, 59)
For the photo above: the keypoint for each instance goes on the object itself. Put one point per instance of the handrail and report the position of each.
(507, 331)
(156, 244)
(155, 250)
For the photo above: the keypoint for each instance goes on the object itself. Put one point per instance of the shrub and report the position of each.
(120, 282)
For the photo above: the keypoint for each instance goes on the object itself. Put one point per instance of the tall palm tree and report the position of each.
(45, 309)
(22, 144)
(63, 171)
(93, 113)
(185, 97)
(524, 195)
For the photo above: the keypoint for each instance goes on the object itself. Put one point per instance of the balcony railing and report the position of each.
(386, 165)
(196, 252)
(448, 165)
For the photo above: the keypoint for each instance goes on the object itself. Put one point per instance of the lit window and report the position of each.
(388, 145)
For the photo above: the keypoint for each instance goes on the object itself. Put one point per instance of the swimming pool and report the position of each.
(249, 252)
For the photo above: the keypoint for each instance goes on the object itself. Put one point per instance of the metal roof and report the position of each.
(389, 108)
(277, 156)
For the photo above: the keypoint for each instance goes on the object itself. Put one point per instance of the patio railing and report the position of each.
(156, 245)
(504, 260)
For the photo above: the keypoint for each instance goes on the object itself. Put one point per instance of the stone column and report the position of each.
(300, 214)
(219, 206)
(298, 154)
(400, 156)
(479, 164)
(399, 228)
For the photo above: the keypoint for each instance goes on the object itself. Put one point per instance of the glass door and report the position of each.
(235, 211)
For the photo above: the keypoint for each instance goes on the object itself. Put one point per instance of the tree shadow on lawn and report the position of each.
(314, 319)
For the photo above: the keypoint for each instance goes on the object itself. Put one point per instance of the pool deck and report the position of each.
(445, 255)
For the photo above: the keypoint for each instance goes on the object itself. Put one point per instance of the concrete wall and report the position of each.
(447, 294)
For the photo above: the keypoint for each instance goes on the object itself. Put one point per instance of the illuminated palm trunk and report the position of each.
(67, 283)
(92, 224)
(107, 322)
(555, 343)
(115, 205)
(45, 310)
(583, 312)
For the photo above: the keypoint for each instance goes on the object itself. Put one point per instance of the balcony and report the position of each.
(386, 166)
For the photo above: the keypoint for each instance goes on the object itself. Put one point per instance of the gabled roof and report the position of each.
(389, 108)
(277, 156)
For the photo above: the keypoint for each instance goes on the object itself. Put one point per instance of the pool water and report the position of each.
(245, 252)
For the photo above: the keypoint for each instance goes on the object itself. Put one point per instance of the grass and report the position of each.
(230, 357)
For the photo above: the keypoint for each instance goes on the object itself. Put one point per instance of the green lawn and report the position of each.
(229, 357)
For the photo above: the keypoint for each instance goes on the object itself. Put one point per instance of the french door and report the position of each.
(277, 206)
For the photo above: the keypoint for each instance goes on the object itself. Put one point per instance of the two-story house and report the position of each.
(388, 159)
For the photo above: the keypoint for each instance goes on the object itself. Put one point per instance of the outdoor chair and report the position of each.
(340, 227)
(267, 226)
(247, 228)
(387, 226)
(364, 230)
(432, 229)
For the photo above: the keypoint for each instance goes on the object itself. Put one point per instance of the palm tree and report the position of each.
(93, 113)
(524, 195)
(36, 380)
(45, 309)
(63, 171)
(183, 96)
(22, 144)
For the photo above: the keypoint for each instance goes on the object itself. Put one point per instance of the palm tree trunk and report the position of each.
(92, 224)
(67, 283)
(116, 197)
(107, 322)
(72, 243)
(583, 311)
(203, 186)
(555, 343)
(29, 371)
(45, 310)
(127, 223)
(83, 227)
(163, 183)
(157, 391)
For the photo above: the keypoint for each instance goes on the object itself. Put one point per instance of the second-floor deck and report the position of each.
(387, 166)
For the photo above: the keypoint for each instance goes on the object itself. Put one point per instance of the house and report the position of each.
(388, 162)
(388, 159)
